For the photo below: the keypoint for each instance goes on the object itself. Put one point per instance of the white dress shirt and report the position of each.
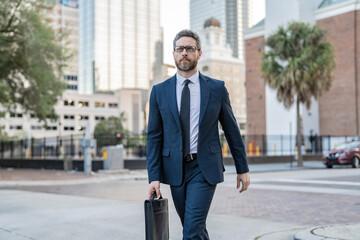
(194, 87)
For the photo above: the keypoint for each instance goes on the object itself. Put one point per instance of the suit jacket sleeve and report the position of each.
(154, 139)
(232, 133)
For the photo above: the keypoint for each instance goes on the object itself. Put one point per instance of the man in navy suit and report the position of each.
(183, 145)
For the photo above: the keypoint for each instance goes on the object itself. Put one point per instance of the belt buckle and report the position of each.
(189, 157)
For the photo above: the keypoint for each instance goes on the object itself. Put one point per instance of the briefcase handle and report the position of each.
(153, 196)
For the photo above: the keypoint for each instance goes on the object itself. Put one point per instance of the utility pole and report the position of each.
(86, 144)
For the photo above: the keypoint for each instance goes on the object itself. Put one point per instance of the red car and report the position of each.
(344, 154)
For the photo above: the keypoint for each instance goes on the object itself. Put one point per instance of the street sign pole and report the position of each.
(86, 142)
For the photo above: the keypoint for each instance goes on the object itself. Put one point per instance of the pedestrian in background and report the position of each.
(183, 145)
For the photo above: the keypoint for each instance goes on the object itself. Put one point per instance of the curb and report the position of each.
(330, 232)
(95, 179)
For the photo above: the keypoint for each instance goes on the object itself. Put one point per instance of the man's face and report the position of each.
(186, 60)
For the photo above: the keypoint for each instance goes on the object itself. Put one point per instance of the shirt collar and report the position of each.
(194, 78)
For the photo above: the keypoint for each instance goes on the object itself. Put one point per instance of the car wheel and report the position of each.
(355, 162)
(329, 165)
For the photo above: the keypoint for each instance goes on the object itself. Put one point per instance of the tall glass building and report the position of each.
(117, 44)
(228, 12)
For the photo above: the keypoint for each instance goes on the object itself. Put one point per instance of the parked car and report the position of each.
(344, 154)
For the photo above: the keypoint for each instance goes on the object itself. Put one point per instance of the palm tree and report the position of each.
(298, 63)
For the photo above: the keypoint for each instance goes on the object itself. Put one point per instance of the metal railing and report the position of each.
(135, 146)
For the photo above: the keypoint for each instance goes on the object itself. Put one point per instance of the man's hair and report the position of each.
(188, 33)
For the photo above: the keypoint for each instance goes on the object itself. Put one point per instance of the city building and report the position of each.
(330, 115)
(118, 44)
(228, 13)
(255, 12)
(166, 71)
(120, 49)
(218, 62)
(64, 18)
(339, 116)
(76, 112)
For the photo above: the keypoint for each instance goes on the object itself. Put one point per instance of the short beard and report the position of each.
(188, 66)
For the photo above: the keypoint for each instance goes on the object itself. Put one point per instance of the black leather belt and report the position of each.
(190, 157)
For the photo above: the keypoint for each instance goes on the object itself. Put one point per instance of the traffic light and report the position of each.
(118, 137)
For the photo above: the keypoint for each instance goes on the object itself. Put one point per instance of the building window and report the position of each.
(15, 127)
(34, 127)
(83, 104)
(99, 118)
(14, 115)
(69, 117)
(69, 102)
(205, 68)
(70, 77)
(72, 87)
(113, 105)
(242, 126)
(82, 117)
(99, 104)
(68, 128)
(51, 128)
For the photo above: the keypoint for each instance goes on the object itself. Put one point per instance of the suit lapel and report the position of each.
(171, 96)
(204, 93)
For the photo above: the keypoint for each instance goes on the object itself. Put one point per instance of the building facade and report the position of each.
(64, 18)
(255, 12)
(329, 115)
(76, 112)
(341, 21)
(228, 13)
(117, 44)
(120, 50)
(218, 62)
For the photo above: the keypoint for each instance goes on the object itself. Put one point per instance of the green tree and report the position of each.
(298, 63)
(32, 56)
(105, 130)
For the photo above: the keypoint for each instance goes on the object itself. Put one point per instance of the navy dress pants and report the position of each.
(192, 200)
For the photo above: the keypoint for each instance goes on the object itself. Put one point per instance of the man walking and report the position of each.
(183, 146)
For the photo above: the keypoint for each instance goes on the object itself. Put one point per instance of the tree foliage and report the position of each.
(31, 58)
(298, 63)
(105, 130)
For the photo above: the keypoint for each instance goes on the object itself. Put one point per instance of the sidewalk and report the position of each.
(37, 177)
(31, 177)
(33, 215)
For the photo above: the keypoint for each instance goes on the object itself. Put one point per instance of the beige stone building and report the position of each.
(217, 61)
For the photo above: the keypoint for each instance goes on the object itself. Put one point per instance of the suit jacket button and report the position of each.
(180, 149)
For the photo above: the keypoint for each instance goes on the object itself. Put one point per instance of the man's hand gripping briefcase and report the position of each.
(156, 218)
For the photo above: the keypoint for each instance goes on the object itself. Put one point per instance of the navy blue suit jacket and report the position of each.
(164, 141)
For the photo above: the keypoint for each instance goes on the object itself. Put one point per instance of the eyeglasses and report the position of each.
(180, 49)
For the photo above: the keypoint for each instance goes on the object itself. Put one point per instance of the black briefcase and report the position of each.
(156, 218)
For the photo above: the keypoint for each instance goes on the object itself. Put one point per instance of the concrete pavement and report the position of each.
(34, 215)
(29, 215)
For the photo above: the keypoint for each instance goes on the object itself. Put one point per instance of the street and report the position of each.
(275, 201)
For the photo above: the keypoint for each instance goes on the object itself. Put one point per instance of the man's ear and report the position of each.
(200, 53)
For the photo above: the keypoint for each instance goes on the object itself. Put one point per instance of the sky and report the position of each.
(175, 16)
